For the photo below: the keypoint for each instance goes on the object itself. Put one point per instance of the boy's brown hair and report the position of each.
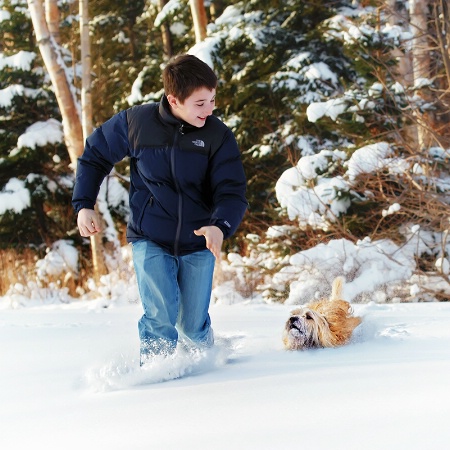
(184, 74)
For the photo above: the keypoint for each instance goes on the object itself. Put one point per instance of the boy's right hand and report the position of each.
(88, 222)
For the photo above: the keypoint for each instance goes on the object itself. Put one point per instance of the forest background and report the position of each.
(340, 109)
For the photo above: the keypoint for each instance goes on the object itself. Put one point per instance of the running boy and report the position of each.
(187, 193)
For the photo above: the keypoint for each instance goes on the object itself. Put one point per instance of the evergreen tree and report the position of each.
(273, 60)
(33, 162)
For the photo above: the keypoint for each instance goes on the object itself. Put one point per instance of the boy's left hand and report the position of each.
(214, 238)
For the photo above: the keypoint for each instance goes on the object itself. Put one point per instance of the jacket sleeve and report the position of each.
(228, 185)
(106, 146)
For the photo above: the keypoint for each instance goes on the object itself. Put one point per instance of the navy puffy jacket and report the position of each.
(182, 177)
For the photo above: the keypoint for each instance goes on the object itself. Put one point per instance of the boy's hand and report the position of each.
(214, 238)
(88, 222)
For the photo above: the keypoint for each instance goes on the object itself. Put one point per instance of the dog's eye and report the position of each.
(308, 316)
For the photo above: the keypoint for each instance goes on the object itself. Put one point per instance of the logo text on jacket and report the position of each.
(198, 143)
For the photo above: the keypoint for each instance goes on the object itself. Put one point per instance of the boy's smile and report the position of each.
(196, 108)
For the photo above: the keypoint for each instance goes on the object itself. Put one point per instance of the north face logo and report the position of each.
(198, 143)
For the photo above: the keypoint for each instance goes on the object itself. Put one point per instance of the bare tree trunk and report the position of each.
(215, 9)
(98, 260)
(53, 61)
(398, 16)
(166, 36)
(86, 64)
(441, 10)
(418, 11)
(199, 18)
(419, 27)
(441, 18)
(52, 19)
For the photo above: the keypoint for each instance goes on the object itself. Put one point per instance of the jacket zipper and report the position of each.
(177, 187)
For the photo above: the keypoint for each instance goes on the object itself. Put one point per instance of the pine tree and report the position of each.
(34, 170)
(266, 54)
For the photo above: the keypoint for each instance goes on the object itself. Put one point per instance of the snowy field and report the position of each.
(70, 379)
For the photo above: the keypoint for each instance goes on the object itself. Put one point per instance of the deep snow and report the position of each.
(70, 379)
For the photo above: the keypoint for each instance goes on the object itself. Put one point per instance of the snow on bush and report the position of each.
(61, 258)
(369, 268)
(41, 133)
(14, 197)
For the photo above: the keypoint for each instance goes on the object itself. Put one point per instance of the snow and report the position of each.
(4, 15)
(374, 268)
(368, 159)
(70, 378)
(14, 197)
(7, 94)
(169, 9)
(204, 49)
(395, 207)
(21, 60)
(317, 204)
(443, 265)
(321, 71)
(41, 133)
(331, 108)
(61, 258)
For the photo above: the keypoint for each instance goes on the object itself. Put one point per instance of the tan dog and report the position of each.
(324, 323)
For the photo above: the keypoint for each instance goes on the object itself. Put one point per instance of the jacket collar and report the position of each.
(168, 117)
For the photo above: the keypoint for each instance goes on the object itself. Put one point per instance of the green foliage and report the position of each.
(27, 99)
(264, 92)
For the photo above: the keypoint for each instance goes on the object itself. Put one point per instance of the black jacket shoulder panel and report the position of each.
(144, 127)
(218, 132)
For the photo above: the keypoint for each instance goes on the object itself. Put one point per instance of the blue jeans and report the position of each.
(175, 292)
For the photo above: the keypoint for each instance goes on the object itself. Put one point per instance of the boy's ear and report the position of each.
(173, 101)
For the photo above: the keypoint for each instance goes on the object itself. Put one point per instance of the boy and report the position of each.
(187, 193)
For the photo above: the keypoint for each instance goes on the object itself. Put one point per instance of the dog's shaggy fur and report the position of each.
(323, 323)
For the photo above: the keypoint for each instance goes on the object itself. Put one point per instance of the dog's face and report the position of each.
(305, 329)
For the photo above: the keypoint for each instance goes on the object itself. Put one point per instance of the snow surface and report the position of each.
(70, 379)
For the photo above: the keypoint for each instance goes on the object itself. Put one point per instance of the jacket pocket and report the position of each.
(147, 204)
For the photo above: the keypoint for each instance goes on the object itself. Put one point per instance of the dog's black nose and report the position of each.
(292, 320)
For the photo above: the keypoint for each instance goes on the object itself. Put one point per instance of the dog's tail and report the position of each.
(336, 288)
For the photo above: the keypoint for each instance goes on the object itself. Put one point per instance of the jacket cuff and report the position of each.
(223, 226)
(79, 206)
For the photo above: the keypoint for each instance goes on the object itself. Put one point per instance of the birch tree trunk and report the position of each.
(199, 18)
(98, 260)
(54, 63)
(86, 65)
(52, 19)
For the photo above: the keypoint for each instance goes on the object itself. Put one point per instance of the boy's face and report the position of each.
(196, 108)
